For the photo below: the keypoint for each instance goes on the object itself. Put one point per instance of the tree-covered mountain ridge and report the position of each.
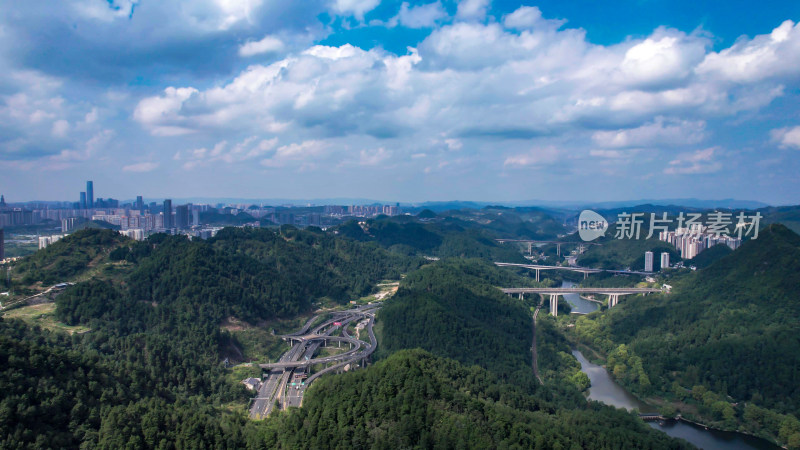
(723, 344)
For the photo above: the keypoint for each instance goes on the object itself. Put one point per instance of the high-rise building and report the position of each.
(84, 205)
(70, 223)
(195, 217)
(139, 203)
(182, 216)
(648, 261)
(2, 244)
(44, 241)
(664, 260)
(168, 214)
(90, 194)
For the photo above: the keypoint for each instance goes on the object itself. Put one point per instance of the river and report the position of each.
(604, 389)
(578, 304)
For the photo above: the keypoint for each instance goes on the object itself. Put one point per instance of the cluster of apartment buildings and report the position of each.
(692, 241)
(362, 210)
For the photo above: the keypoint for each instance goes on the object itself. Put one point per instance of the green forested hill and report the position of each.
(452, 309)
(787, 215)
(149, 373)
(252, 274)
(416, 400)
(456, 234)
(509, 223)
(69, 257)
(730, 329)
(471, 387)
(708, 257)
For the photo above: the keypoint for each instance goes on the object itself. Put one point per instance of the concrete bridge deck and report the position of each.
(587, 290)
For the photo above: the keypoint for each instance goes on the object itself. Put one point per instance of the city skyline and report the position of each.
(401, 101)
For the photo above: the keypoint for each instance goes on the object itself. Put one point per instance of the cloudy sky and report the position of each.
(401, 100)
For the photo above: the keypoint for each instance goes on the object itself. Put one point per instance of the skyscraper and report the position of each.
(2, 244)
(168, 214)
(139, 203)
(89, 194)
(182, 216)
(664, 260)
(84, 205)
(648, 261)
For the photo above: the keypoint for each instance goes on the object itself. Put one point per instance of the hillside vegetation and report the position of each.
(69, 257)
(457, 234)
(416, 400)
(725, 341)
(471, 387)
(149, 372)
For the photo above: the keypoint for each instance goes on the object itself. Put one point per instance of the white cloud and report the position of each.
(528, 17)
(659, 133)
(609, 154)
(303, 153)
(472, 9)
(60, 128)
(787, 137)
(36, 121)
(105, 11)
(471, 82)
(235, 11)
(774, 55)
(141, 167)
(268, 44)
(247, 150)
(356, 8)
(665, 57)
(67, 158)
(698, 162)
(162, 114)
(454, 144)
(422, 16)
(374, 157)
(91, 116)
(534, 157)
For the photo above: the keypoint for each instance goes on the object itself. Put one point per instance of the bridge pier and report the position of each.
(537, 275)
(521, 296)
(554, 305)
(558, 249)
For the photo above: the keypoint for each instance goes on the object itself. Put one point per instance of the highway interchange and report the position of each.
(285, 381)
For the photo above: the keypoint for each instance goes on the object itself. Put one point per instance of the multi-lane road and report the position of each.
(285, 381)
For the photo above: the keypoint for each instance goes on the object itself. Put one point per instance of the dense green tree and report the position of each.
(729, 330)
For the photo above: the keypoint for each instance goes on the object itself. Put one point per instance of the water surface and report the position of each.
(578, 304)
(604, 389)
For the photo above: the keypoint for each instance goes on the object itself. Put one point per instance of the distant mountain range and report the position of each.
(728, 203)
(573, 205)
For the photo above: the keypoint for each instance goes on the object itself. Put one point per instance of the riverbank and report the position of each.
(606, 390)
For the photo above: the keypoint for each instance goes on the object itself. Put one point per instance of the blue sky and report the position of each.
(401, 101)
